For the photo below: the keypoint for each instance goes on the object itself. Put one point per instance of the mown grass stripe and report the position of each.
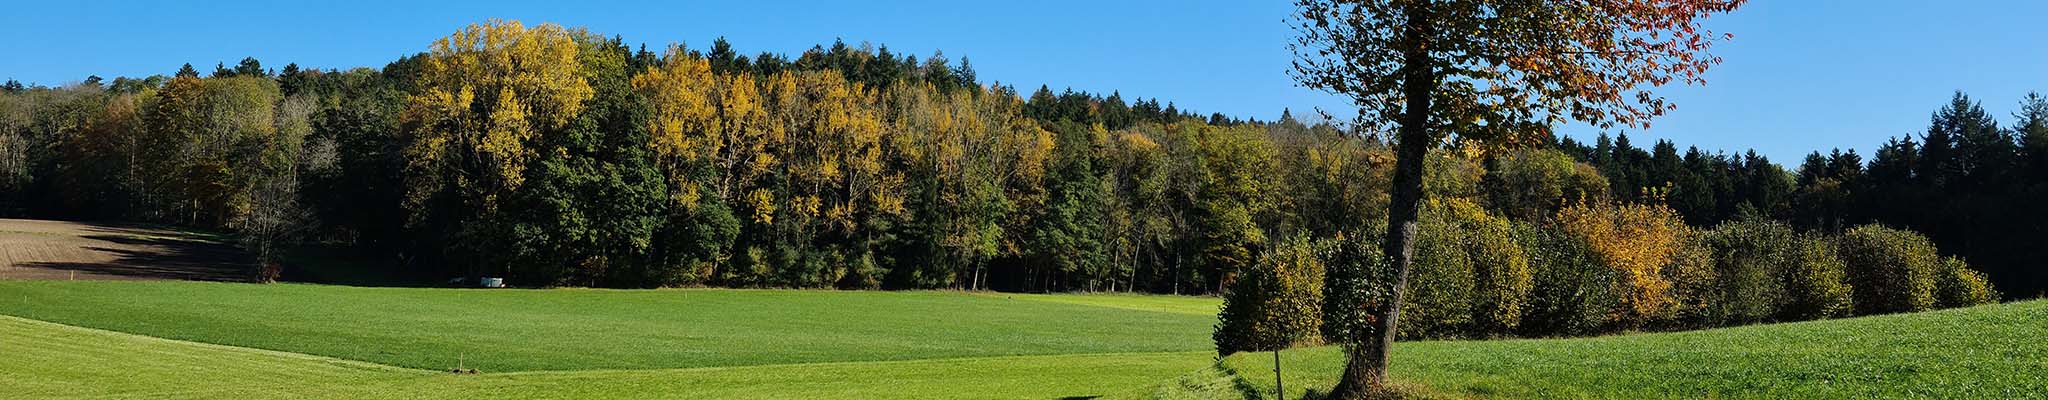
(528, 330)
(198, 370)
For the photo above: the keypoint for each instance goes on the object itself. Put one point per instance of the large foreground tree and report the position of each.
(1489, 72)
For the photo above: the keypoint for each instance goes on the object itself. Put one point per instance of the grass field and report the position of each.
(1989, 352)
(582, 329)
(45, 360)
(169, 339)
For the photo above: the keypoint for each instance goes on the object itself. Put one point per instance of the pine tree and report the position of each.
(250, 67)
(1983, 153)
(2032, 132)
(723, 59)
(965, 73)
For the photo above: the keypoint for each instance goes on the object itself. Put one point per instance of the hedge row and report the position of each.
(1595, 268)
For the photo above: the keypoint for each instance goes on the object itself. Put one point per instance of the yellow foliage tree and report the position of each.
(685, 120)
(681, 92)
(485, 93)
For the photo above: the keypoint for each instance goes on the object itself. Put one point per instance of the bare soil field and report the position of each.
(57, 250)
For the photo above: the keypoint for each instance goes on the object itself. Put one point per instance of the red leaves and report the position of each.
(1510, 63)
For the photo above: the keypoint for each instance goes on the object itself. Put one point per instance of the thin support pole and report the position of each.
(1279, 382)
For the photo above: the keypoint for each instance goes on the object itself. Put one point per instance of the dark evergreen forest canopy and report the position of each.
(559, 157)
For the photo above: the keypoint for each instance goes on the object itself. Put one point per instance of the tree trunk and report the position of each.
(1366, 373)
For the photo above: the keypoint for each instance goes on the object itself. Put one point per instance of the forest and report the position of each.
(555, 156)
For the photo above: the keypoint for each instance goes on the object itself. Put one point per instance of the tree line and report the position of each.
(558, 157)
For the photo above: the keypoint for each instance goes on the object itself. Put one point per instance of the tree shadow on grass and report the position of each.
(112, 250)
(141, 253)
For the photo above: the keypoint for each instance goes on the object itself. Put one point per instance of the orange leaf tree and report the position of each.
(1496, 72)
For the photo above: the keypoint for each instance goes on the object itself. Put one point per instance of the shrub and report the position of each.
(1815, 284)
(1958, 285)
(1635, 241)
(1692, 275)
(1572, 293)
(1470, 278)
(1889, 270)
(1274, 303)
(862, 272)
(1500, 269)
(1438, 302)
(751, 269)
(1356, 283)
(1748, 255)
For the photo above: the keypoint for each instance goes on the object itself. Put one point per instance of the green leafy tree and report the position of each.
(1532, 184)
(594, 200)
(1069, 236)
(1231, 198)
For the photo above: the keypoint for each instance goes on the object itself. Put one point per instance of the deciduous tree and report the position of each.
(485, 95)
(1500, 72)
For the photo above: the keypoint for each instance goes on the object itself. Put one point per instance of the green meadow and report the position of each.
(47, 360)
(1985, 352)
(586, 329)
(102, 339)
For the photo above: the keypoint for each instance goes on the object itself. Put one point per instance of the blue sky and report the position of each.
(1800, 75)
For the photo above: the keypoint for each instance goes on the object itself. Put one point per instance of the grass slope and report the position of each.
(535, 330)
(45, 360)
(1989, 352)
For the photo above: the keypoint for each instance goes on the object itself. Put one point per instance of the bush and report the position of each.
(1572, 292)
(1636, 241)
(1470, 278)
(1889, 270)
(1816, 284)
(1960, 286)
(1693, 285)
(1500, 269)
(1748, 257)
(1438, 303)
(1274, 303)
(1356, 283)
(751, 269)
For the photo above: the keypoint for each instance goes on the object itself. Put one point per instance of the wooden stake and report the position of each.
(1279, 383)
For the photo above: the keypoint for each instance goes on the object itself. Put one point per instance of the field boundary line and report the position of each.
(846, 363)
